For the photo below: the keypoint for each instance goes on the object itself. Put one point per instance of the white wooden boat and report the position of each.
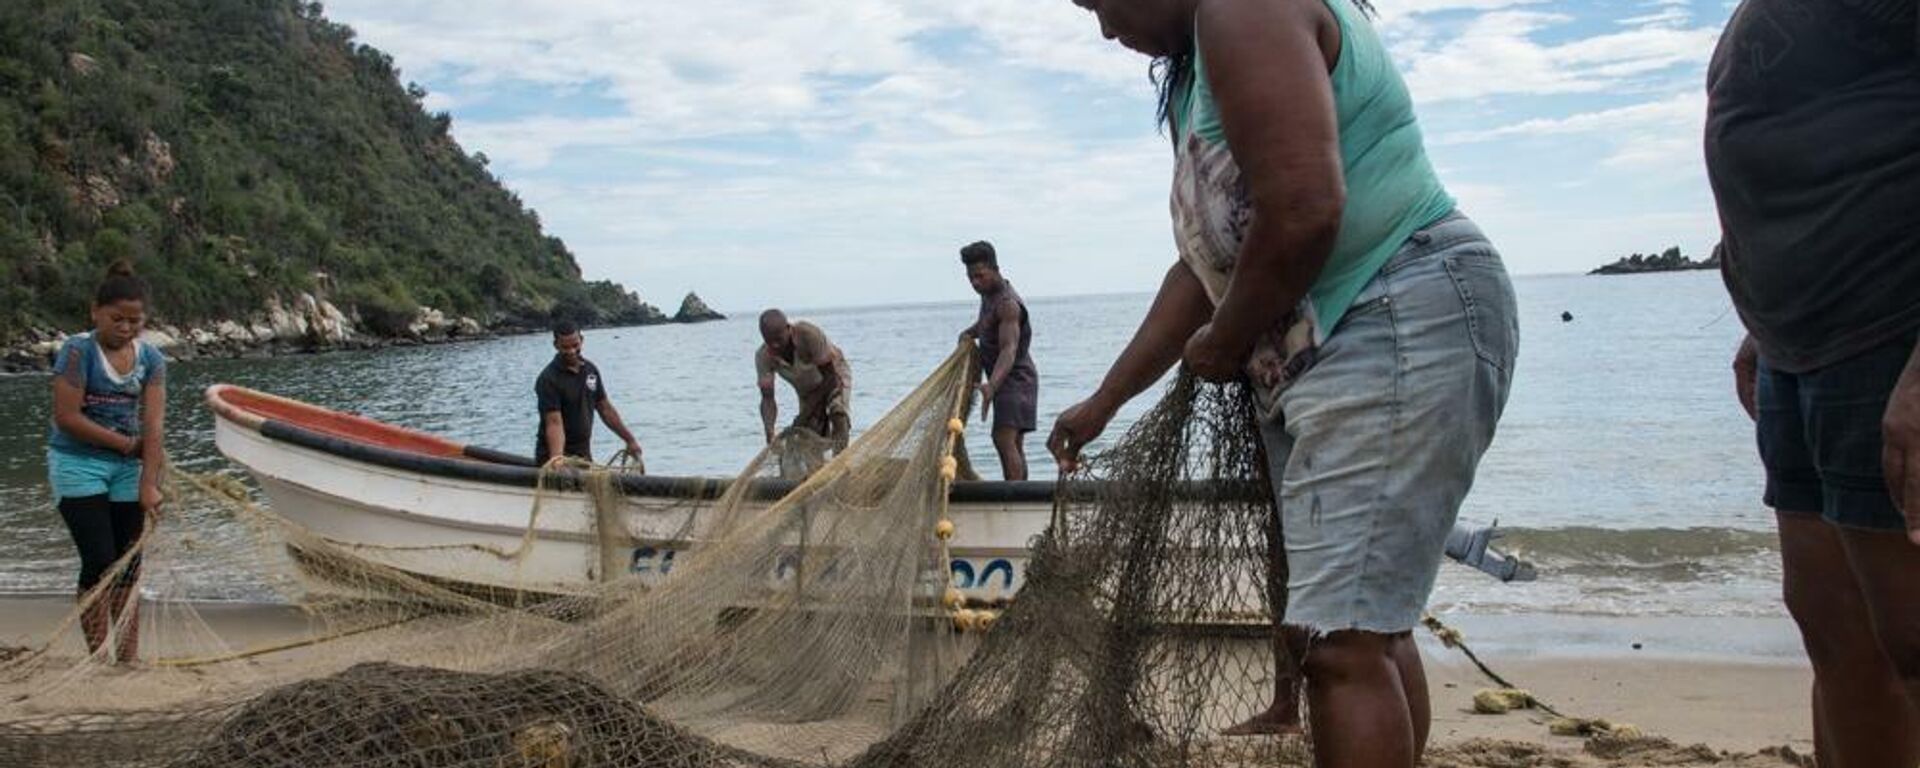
(459, 514)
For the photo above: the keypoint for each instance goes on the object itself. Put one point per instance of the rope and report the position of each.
(949, 471)
(264, 649)
(1452, 638)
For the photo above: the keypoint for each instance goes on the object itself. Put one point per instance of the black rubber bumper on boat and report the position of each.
(486, 465)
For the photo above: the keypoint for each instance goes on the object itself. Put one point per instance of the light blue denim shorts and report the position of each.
(1377, 443)
(78, 475)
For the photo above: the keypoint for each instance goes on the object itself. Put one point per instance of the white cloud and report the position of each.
(1645, 146)
(680, 69)
(1080, 216)
(1669, 16)
(1393, 12)
(766, 151)
(439, 101)
(1679, 111)
(1497, 54)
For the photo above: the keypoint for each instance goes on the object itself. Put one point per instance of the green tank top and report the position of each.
(1392, 189)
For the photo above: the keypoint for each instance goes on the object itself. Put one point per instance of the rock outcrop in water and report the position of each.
(1669, 260)
(693, 310)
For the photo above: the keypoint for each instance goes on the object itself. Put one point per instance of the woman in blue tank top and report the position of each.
(105, 455)
(1321, 259)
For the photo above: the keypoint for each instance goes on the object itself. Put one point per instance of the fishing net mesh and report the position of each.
(820, 627)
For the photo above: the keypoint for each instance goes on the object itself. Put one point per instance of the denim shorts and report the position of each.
(78, 475)
(1377, 443)
(1819, 436)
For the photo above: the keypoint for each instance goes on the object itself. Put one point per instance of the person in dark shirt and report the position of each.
(1010, 395)
(570, 391)
(1813, 150)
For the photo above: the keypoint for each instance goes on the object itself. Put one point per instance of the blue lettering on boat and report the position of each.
(644, 557)
(962, 573)
(1003, 567)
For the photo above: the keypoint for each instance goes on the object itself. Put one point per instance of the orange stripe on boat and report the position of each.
(250, 407)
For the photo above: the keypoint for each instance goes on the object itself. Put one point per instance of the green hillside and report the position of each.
(238, 150)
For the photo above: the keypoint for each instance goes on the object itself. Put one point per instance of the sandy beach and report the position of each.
(1736, 686)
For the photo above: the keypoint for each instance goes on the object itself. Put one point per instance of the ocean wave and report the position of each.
(1635, 546)
(1628, 572)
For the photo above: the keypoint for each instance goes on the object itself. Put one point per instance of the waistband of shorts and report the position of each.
(87, 453)
(1445, 233)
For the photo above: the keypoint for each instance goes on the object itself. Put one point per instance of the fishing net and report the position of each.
(1142, 630)
(813, 621)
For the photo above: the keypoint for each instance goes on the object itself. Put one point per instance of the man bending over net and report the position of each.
(816, 369)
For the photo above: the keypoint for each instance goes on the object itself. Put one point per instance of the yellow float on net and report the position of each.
(943, 529)
(985, 620)
(965, 620)
(953, 599)
(956, 426)
(949, 468)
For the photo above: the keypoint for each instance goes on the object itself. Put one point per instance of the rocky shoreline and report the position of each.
(307, 325)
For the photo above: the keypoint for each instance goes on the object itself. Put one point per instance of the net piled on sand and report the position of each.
(816, 628)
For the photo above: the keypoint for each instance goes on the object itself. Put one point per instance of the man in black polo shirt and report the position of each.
(1813, 149)
(570, 392)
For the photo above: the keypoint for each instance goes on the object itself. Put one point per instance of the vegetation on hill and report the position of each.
(242, 150)
(1670, 260)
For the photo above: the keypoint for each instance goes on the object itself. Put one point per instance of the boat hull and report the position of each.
(485, 534)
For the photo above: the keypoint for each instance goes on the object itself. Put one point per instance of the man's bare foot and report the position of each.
(1278, 720)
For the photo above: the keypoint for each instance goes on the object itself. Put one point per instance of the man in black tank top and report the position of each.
(1011, 393)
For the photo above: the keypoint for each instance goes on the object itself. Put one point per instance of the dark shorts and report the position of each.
(1016, 405)
(1819, 435)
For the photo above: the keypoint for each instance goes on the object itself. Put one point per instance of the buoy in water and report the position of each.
(1566, 317)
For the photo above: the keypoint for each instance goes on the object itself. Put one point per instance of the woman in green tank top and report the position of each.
(1321, 258)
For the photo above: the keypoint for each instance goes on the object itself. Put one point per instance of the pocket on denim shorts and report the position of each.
(1487, 296)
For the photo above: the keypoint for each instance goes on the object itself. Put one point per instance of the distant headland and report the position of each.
(1669, 260)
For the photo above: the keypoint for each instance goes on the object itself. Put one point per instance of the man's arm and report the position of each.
(1746, 376)
(1007, 318)
(769, 407)
(611, 416)
(812, 344)
(1900, 444)
(554, 433)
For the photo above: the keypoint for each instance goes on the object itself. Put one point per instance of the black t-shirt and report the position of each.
(575, 394)
(1813, 149)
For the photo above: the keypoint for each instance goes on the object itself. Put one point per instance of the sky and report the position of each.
(839, 152)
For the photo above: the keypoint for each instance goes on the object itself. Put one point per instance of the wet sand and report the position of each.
(1733, 685)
